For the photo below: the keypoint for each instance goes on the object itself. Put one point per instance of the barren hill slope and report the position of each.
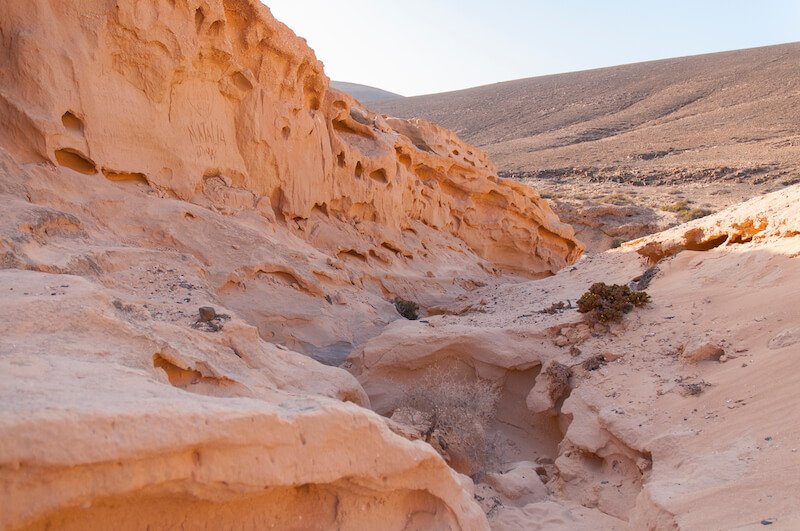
(718, 128)
(364, 93)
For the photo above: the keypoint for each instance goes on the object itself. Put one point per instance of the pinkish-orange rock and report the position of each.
(217, 103)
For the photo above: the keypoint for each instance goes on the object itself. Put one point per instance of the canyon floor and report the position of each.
(210, 266)
(681, 416)
(684, 420)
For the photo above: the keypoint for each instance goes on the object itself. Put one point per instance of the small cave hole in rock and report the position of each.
(286, 131)
(239, 79)
(351, 253)
(177, 376)
(69, 158)
(216, 29)
(379, 257)
(320, 208)
(340, 160)
(707, 245)
(359, 170)
(121, 176)
(313, 103)
(281, 278)
(403, 158)
(379, 175)
(199, 17)
(391, 247)
(344, 127)
(311, 92)
(357, 116)
(72, 122)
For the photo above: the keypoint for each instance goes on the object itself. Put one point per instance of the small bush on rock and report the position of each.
(617, 242)
(558, 376)
(408, 309)
(685, 211)
(609, 303)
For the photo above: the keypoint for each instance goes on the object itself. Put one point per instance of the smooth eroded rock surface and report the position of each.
(192, 221)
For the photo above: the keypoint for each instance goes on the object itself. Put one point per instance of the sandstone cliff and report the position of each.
(219, 104)
(161, 156)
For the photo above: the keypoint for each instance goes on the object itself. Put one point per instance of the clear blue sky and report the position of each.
(422, 46)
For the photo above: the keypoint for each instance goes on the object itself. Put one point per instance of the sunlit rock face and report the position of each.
(157, 157)
(219, 104)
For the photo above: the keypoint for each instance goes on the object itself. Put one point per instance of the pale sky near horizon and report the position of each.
(420, 47)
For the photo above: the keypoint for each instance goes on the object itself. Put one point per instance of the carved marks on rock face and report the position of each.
(206, 137)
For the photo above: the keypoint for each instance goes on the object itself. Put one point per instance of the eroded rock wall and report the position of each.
(217, 103)
(161, 156)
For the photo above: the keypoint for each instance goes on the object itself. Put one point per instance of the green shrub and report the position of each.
(685, 212)
(609, 303)
(408, 309)
(694, 213)
(677, 206)
(616, 242)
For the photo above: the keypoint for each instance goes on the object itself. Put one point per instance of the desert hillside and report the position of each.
(622, 147)
(235, 298)
(364, 93)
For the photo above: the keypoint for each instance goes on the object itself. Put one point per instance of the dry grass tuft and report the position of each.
(558, 375)
(686, 212)
(460, 411)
